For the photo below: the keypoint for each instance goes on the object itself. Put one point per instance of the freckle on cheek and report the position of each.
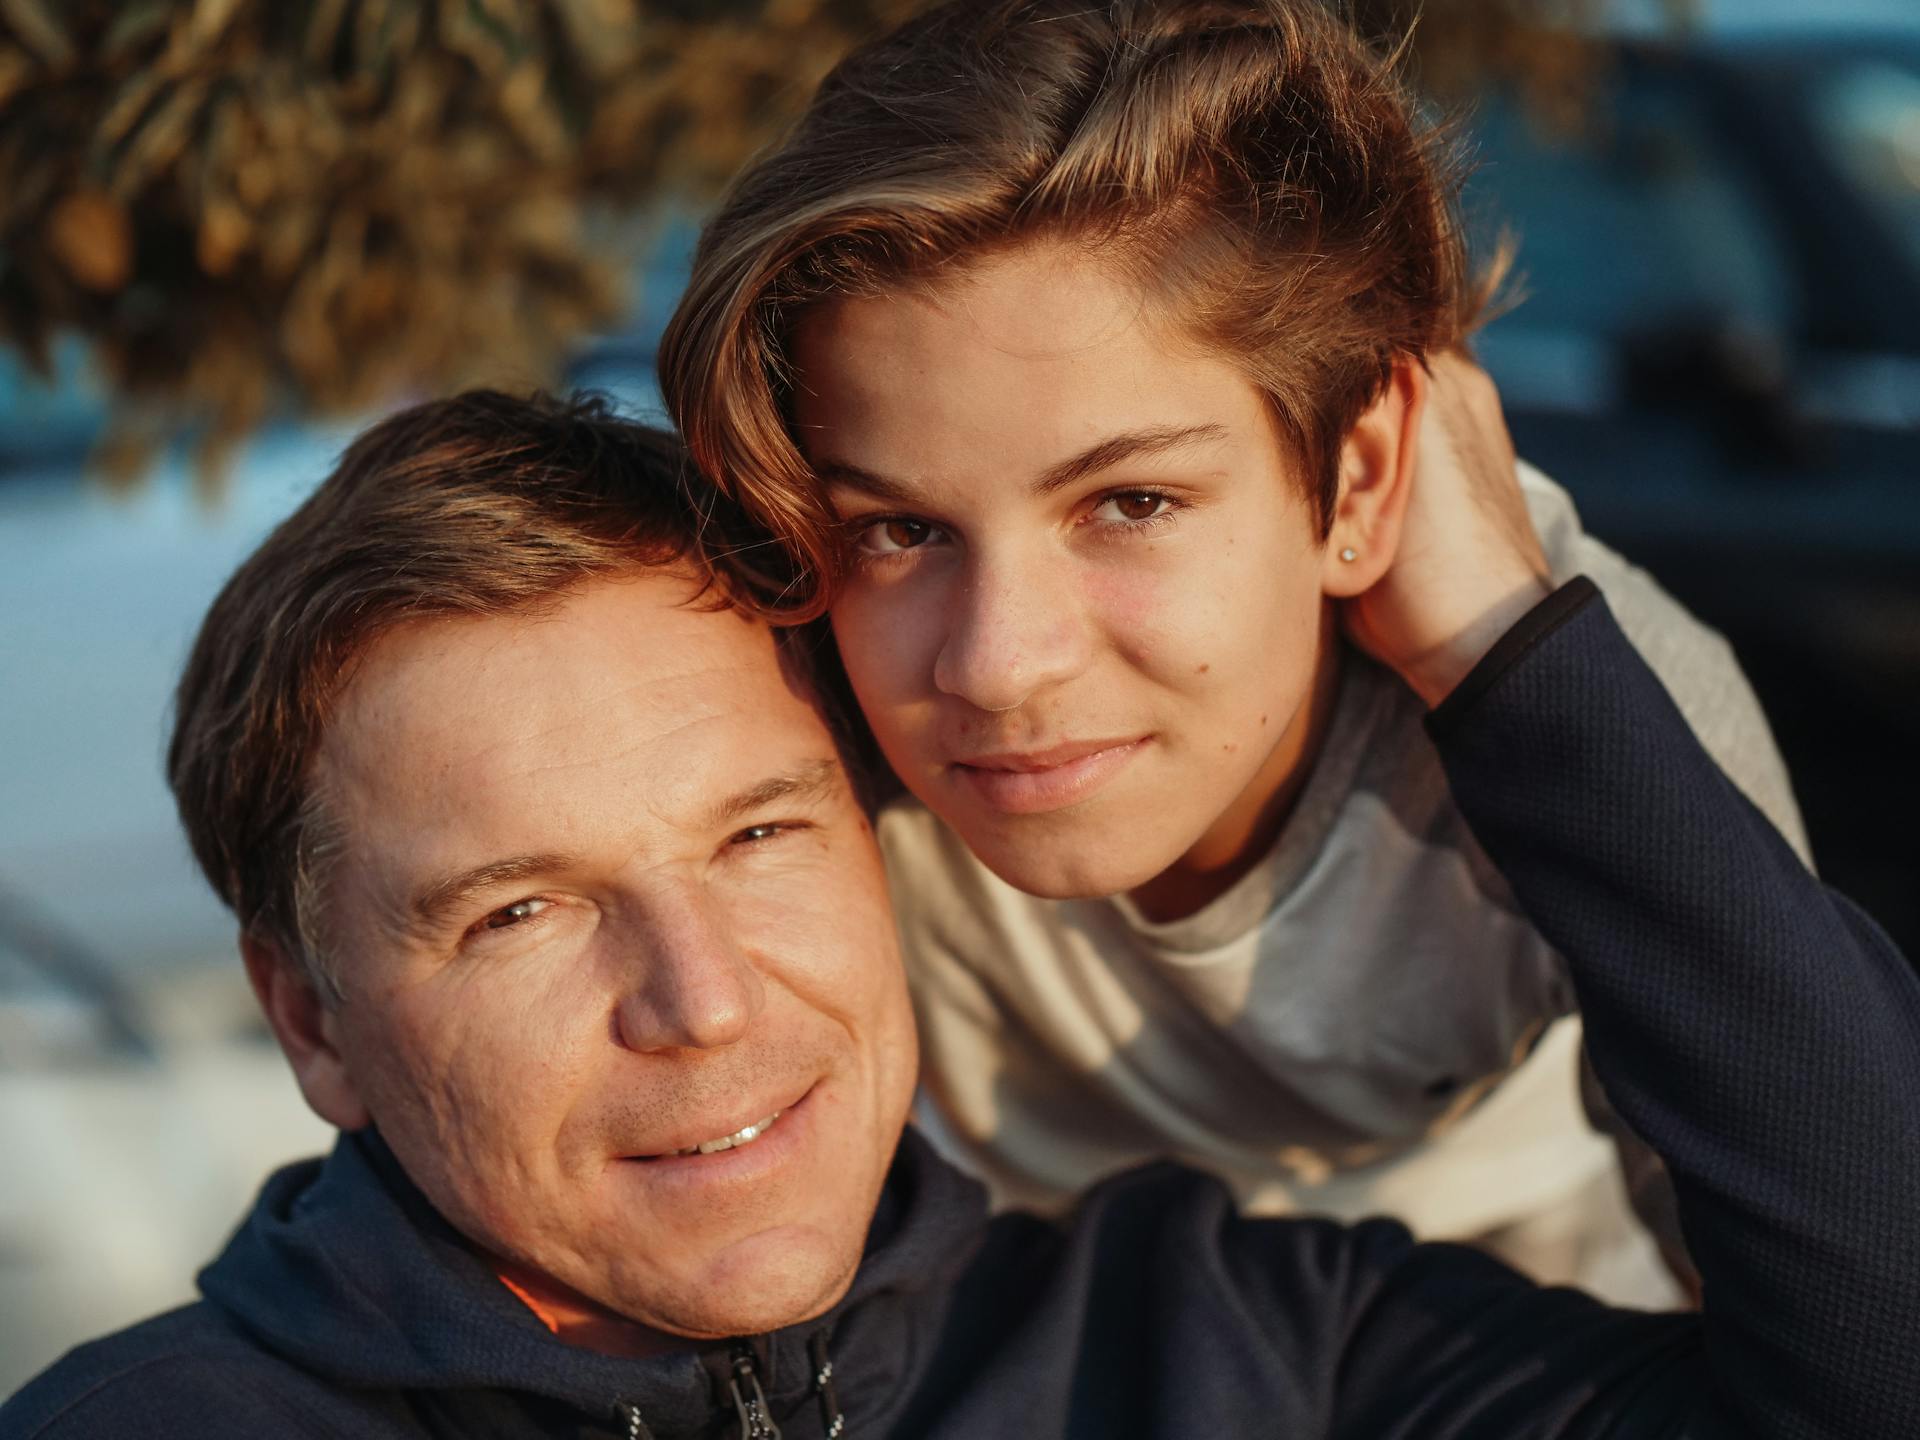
(1263, 719)
(1203, 669)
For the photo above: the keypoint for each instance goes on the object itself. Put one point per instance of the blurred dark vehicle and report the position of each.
(1720, 359)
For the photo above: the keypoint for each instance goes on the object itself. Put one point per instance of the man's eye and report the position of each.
(1133, 506)
(508, 916)
(759, 834)
(890, 537)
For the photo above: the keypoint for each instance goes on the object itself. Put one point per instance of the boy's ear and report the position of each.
(1376, 479)
(307, 1029)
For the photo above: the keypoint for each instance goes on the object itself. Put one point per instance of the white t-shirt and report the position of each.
(1363, 1024)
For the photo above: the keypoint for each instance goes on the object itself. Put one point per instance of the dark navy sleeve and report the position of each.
(1761, 1033)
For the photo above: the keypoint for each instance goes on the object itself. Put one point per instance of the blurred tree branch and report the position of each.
(1544, 49)
(319, 204)
(241, 204)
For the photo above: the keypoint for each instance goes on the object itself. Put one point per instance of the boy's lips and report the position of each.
(1031, 782)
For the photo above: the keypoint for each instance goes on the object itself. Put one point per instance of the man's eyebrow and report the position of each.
(431, 904)
(1103, 455)
(813, 780)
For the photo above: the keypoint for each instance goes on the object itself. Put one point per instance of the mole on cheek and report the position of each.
(1203, 669)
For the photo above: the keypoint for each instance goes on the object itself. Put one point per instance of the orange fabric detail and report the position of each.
(532, 1304)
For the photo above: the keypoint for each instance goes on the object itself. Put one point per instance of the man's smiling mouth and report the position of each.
(739, 1139)
(672, 1151)
(745, 1135)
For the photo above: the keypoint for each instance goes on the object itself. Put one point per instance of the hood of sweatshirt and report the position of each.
(344, 1270)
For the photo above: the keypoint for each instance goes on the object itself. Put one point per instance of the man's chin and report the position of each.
(776, 1279)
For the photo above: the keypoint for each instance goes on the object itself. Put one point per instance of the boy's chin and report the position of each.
(1064, 866)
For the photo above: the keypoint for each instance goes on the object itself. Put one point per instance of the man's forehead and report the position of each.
(620, 686)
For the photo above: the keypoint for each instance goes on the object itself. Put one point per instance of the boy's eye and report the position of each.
(1135, 504)
(887, 537)
(510, 915)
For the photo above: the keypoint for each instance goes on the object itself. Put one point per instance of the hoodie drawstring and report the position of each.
(830, 1416)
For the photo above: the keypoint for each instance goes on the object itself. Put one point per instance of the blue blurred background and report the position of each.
(1720, 358)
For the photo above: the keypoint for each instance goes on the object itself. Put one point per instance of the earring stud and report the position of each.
(1349, 554)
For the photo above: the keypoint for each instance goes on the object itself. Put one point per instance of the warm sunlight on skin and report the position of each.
(606, 895)
(1089, 617)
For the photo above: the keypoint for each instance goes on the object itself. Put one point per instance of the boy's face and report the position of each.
(1086, 615)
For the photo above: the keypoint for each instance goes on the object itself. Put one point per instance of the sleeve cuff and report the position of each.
(1533, 627)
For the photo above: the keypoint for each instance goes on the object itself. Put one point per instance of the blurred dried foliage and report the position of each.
(1541, 48)
(246, 204)
(242, 205)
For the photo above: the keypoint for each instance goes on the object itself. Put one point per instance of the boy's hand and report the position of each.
(1469, 564)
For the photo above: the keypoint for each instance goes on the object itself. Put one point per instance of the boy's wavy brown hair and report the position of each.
(1255, 167)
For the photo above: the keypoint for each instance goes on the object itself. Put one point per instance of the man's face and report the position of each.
(1086, 611)
(604, 897)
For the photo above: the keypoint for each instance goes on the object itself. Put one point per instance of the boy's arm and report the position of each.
(1699, 670)
(1693, 662)
(1761, 1033)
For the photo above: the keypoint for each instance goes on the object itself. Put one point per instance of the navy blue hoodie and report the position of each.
(1757, 1030)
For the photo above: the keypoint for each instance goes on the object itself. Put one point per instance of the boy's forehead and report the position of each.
(1042, 302)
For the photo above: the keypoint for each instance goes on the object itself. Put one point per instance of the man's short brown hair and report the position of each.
(484, 504)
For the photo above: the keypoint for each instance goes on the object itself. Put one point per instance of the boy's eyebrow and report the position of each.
(840, 472)
(1130, 445)
(1102, 455)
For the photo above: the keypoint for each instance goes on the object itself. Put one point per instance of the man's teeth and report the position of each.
(743, 1136)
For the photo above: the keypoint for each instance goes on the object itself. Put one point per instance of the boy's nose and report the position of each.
(1014, 632)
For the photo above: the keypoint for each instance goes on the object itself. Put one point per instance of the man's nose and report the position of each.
(1014, 630)
(691, 986)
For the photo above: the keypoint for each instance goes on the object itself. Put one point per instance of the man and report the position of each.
(559, 900)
